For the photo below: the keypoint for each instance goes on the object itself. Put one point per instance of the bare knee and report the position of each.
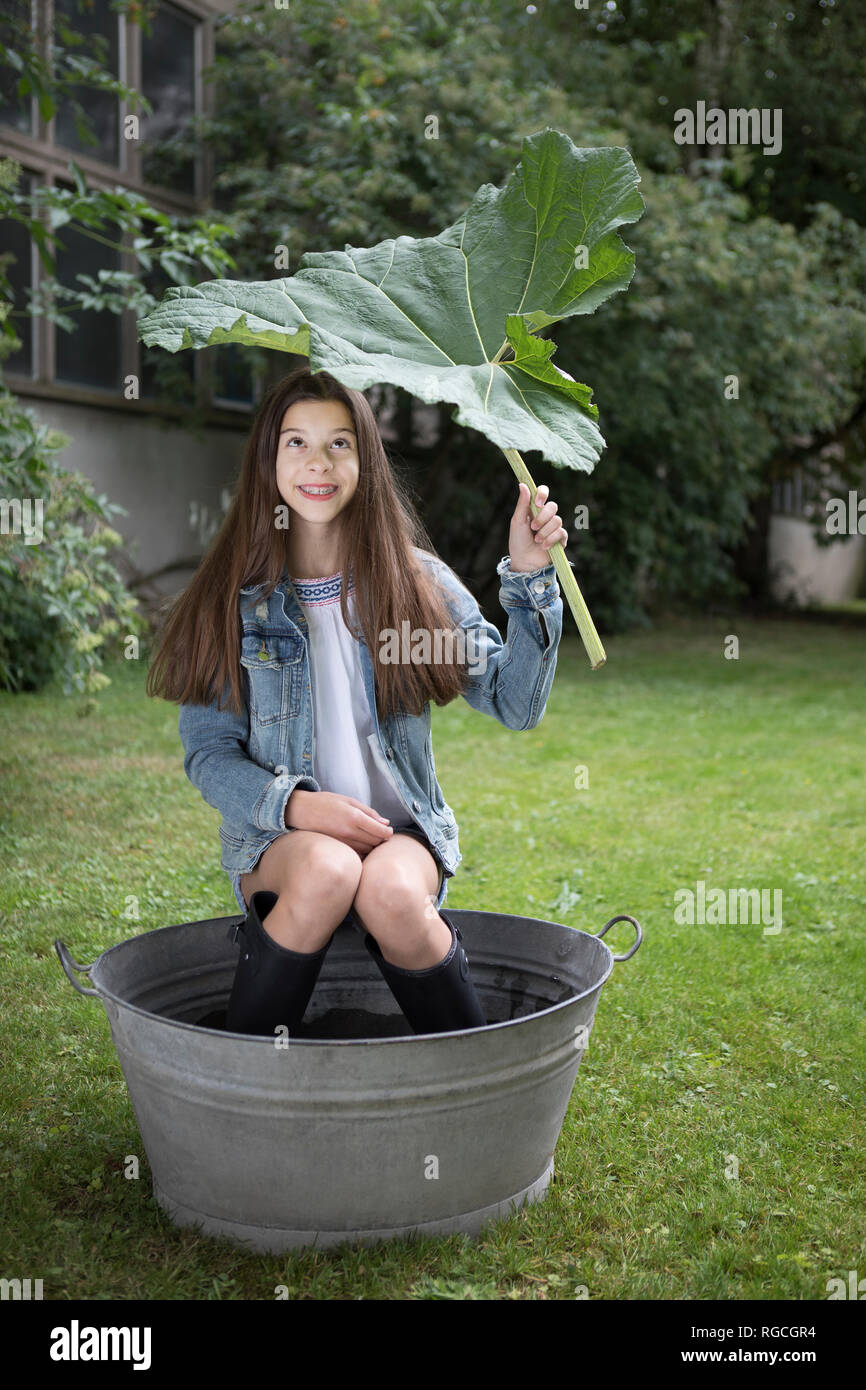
(307, 864)
(315, 882)
(331, 870)
(391, 895)
(395, 908)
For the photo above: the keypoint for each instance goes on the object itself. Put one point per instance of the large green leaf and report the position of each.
(454, 317)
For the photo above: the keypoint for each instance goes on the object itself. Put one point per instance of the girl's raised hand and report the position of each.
(529, 540)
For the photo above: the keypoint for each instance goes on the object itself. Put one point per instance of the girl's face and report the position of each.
(317, 447)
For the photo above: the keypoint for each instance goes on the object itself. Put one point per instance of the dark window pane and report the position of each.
(15, 29)
(97, 24)
(168, 82)
(91, 355)
(233, 378)
(15, 239)
(167, 376)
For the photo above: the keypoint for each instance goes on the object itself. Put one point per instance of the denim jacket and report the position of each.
(247, 766)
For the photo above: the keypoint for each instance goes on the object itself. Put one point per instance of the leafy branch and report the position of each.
(436, 316)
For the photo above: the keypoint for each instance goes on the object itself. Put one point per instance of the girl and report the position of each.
(305, 711)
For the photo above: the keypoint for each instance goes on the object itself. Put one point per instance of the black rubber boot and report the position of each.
(440, 999)
(272, 984)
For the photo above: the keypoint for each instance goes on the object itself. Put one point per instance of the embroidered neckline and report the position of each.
(315, 592)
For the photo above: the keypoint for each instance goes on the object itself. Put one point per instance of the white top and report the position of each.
(346, 753)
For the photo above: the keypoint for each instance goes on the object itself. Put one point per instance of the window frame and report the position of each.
(45, 161)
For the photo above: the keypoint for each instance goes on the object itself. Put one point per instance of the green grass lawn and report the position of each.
(717, 1049)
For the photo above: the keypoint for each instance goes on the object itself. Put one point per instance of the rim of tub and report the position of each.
(69, 964)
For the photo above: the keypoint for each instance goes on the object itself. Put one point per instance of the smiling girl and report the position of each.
(312, 742)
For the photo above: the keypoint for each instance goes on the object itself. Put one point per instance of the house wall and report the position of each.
(810, 573)
(174, 485)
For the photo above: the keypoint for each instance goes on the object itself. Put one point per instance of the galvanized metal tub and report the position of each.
(367, 1131)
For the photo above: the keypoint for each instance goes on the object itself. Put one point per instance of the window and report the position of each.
(805, 491)
(788, 495)
(16, 28)
(232, 376)
(94, 32)
(19, 270)
(162, 373)
(168, 80)
(92, 354)
(162, 58)
(164, 62)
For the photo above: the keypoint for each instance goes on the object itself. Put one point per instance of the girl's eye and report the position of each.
(296, 439)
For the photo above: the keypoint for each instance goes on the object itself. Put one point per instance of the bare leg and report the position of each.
(395, 902)
(315, 877)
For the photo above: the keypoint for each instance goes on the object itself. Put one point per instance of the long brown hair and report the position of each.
(199, 648)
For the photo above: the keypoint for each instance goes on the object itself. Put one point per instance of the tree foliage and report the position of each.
(749, 266)
(347, 125)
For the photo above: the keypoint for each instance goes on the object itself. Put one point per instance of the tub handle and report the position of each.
(69, 965)
(624, 917)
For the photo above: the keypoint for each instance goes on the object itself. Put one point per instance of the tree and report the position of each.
(324, 135)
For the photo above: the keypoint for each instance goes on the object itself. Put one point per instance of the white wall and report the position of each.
(169, 480)
(811, 573)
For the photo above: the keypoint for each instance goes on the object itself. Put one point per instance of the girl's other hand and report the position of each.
(530, 539)
(344, 817)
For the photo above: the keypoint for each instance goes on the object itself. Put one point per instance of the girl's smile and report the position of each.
(312, 490)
